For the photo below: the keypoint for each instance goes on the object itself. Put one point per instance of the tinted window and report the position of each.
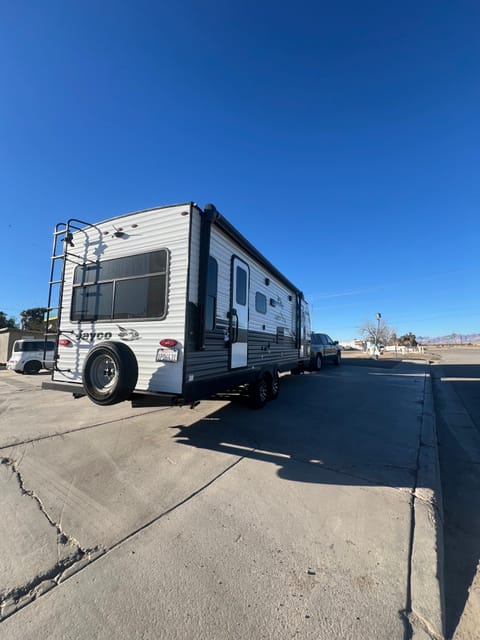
(92, 302)
(138, 298)
(129, 287)
(30, 345)
(241, 293)
(127, 267)
(260, 302)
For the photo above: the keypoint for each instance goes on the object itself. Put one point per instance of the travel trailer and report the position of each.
(169, 306)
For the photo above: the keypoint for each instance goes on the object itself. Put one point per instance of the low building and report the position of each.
(8, 335)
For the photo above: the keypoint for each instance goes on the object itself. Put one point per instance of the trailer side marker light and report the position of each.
(65, 342)
(168, 342)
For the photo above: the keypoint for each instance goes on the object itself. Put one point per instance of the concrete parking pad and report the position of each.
(225, 522)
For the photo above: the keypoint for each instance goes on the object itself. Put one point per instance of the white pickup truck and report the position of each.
(324, 349)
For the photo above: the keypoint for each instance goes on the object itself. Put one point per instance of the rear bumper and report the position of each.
(70, 387)
(137, 399)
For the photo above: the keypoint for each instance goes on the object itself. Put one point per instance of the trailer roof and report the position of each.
(222, 223)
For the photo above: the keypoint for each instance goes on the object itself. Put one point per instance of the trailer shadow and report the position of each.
(342, 425)
(360, 424)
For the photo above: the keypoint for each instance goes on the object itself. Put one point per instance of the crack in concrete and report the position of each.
(417, 621)
(18, 597)
(62, 537)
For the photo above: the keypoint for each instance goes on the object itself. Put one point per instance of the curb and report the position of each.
(469, 623)
(426, 577)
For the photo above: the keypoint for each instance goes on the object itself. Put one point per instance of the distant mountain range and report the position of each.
(453, 338)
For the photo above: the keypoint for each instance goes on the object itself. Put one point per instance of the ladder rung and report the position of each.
(60, 255)
(55, 282)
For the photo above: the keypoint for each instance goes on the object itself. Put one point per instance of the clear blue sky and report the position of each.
(342, 138)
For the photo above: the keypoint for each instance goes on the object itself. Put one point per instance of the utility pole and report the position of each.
(378, 317)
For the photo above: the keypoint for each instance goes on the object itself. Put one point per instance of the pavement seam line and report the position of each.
(407, 612)
(20, 597)
(84, 428)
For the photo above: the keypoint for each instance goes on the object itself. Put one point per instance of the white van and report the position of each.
(28, 356)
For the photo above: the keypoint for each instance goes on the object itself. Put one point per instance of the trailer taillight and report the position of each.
(65, 342)
(168, 342)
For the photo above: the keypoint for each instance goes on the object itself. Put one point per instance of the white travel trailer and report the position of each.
(168, 306)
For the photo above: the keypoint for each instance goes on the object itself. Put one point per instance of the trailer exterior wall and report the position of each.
(142, 232)
(271, 336)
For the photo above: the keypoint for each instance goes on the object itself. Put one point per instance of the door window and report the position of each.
(241, 289)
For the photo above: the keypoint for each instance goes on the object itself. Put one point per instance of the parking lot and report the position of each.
(293, 521)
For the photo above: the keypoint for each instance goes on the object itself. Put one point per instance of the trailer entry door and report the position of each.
(239, 314)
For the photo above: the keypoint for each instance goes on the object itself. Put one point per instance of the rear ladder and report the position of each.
(62, 240)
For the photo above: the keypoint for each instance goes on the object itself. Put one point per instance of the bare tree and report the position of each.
(379, 332)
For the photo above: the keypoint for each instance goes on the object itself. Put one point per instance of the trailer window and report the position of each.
(92, 302)
(241, 295)
(260, 302)
(122, 288)
(211, 309)
(137, 298)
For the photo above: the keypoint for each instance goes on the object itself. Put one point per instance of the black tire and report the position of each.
(338, 358)
(273, 386)
(318, 362)
(110, 373)
(32, 367)
(259, 391)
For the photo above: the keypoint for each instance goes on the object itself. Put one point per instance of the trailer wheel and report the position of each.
(273, 386)
(318, 362)
(110, 373)
(259, 391)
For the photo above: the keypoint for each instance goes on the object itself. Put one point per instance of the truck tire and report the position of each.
(110, 373)
(318, 362)
(338, 358)
(32, 367)
(258, 392)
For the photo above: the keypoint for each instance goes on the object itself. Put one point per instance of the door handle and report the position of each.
(234, 317)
